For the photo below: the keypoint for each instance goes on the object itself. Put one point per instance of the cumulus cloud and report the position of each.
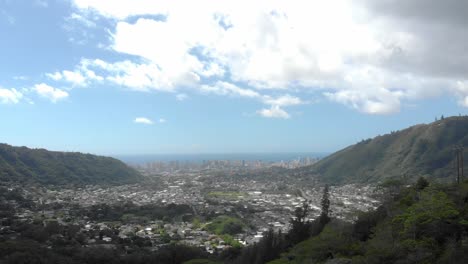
(276, 103)
(274, 112)
(49, 92)
(369, 55)
(136, 76)
(143, 120)
(10, 96)
(284, 100)
(56, 76)
(386, 103)
(81, 76)
(74, 77)
(162, 120)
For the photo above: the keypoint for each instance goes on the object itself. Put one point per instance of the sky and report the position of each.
(197, 76)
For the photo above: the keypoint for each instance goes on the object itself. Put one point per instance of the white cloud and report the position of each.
(82, 19)
(56, 76)
(74, 77)
(369, 55)
(276, 103)
(213, 70)
(162, 120)
(274, 112)
(284, 100)
(81, 76)
(143, 120)
(383, 103)
(225, 88)
(462, 91)
(120, 9)
(181, 97)
(140, 77)
(49, 92)
(10, 96)
(267, 46)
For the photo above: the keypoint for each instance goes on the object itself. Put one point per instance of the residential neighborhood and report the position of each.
(181, 207)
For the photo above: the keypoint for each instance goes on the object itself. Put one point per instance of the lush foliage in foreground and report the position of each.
(419, 225)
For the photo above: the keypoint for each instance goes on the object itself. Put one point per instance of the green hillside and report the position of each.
(421, 150)
(21, 164)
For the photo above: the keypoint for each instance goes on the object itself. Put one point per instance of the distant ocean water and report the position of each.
(272, 157)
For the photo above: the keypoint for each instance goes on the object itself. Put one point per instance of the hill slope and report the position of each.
(21, 164)
(416, 225)
(421, 150)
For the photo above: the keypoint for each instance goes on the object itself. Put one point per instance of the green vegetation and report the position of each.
(273, 244)
(320, 248)
(21, 164)
(196, 222)
(226, 225)
(229, 240)
(421, 224)
(421, 150)
(69, 252)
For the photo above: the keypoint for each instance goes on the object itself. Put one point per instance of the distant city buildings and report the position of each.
(177, 165)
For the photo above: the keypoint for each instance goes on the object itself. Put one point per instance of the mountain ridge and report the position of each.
(26, 165)
(419, 150)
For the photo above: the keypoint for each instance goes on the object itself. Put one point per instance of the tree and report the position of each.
(267, 249)
(301, 213)
(300, 226)
(364, 226)
(318, 224)
(421, 183)
(324, 218)
(432, 216)
(391, 187)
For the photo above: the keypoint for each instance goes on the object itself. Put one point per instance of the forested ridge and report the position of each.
(421, 150)
(40, 166)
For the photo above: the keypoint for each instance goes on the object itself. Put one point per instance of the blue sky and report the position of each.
(145, 77)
